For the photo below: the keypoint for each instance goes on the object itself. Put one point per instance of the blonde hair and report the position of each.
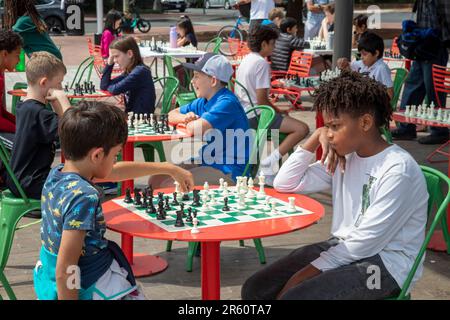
(43, 64)
(276, 13)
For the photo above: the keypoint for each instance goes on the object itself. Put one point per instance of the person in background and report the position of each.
(259, 11)
(327, 22)
(110, 32)
(359, 28)
(186, 32)
(315, 17)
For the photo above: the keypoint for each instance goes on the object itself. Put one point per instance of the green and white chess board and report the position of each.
(256, 210)
(146, 130)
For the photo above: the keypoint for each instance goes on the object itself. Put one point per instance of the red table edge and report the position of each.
(23, 93)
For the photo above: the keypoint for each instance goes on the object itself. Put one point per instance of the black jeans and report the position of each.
(347, 282)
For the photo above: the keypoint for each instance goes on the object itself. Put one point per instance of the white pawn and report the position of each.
(221, 180)
(152, 120)
(244, 186)
(413, 111)
(268, 200)
(439, 115)
(291, 205)
(177, 187)
(205, 205)
(407, 111)
(251, 192)
(225, 189)
(195, 223)
(274, 207)
(213, 200)
(206, 187)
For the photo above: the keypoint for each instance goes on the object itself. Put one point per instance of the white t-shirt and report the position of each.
(253, 73)
(260, 9)
(379, 71)
(379, 207)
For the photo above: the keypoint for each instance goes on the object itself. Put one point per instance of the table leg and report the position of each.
(437, 242)
(128, 155)
(210, 270)
(142, 264)
(408, 65)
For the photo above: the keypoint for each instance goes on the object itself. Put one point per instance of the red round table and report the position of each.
(100, 94)
(437, 242)
(121, 220)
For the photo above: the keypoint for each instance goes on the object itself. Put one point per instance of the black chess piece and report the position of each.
(179, 222)
(137, 200)
(128, 198)
(166, 203)
(185, 197)
(161, 196)
(150, 191)
(161, 214)
(144, 202)
(174, 131)
(196, 202)
(189, 217)
(225, 206)
(151, 207)
(175, 201)
(182, 209)
(194, 213)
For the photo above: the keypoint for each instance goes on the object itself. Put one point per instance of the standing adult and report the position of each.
(419, 84)
(24, 19)
(315, 17)
(259, 11)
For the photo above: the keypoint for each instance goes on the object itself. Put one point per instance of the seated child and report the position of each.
(276, 15)
(10, 46)
(285, 44)
(112, 24)
(254, 73)
(36, 126)
(136, 82)
(371, 47)
(359, 28)
(186, 33)
(213, 115)
(328, 22)
(73, 225)
(379, 203)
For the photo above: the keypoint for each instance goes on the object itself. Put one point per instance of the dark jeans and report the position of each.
(347, 282)
(420, 84)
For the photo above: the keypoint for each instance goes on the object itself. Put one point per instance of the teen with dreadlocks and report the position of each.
(379, 203)
(23, 18)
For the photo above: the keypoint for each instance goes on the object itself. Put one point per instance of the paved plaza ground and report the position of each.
(237, 263)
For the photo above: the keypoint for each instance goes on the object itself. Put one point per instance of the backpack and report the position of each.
(416, 43)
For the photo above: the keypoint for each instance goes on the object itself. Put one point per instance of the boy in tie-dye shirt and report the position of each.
(76, 260)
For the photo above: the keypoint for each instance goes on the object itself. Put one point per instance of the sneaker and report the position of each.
(433, 139)
(398, 134)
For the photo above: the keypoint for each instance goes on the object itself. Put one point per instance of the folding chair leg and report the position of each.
(445, 232)
(192, 249)
(260, 249)
(7, 286)
(439, 151)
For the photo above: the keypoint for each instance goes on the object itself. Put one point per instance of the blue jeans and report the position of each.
(346, 282)
(420, 84)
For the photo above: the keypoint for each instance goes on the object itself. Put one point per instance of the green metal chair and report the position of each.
(435, 181)
(16, 99)
(185, 97)
(83, 73)
(215, 42)
(170, 87)
(12, 209)
(265, 119)
(400, 77)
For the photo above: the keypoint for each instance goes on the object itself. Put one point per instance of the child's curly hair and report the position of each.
(354, 94)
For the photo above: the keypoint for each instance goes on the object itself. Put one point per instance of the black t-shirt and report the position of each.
(34, 147)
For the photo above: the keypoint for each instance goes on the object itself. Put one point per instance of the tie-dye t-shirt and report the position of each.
(70, 202)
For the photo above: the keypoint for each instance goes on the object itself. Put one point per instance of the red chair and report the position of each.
(300, 66)
(441, 82)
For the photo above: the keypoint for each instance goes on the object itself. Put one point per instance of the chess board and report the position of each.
(147, 130)
(256, 210)
(422, 119)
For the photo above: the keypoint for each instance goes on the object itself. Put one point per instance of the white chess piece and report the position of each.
(213, 200)
(262, 181)
(244, 186)
(407, 111)
(251, 191)
(221, 180)
(225, 189)
(439, 115)
(205, 205)
(195, 223)
(291, 205)
(206, 187)
(152, 120)
(177, 187)
(241, 204)
(274, 206)
(268, 200)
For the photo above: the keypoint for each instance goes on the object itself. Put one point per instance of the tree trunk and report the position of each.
(294, 10)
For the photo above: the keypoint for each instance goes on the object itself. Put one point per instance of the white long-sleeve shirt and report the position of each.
(379, 207)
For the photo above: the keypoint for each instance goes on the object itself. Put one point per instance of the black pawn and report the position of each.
(179, 222)
(225, 207)
(175, 201)
(128, 198)
(189, 217)
(150, 208)
(182, 210)
(166, 204)
(185, 197)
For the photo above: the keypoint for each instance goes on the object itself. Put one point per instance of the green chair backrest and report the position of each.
(233, 83)
(435, 181)
(170, 87)
(85, 66)
(20, 67)
(168, 62)
(216, 42)
(4, 157)
(265, 119)
(400, 77)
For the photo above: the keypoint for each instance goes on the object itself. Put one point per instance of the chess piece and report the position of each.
(182, 210)
(205, 203)
(221, 181)
(189, 217)
(179, 221)
(268, 200)
(195, 223)
(196, 197)
(175, 201)
(206, 187)
(166, 203)
(185, 197)
(274, 207)
(251, 191)
(291, 208)
(177, 186)
(137, 197)
(225, 206)
(261, 192)
(242, 204)
(128, 198)
(151, 207)
(225, 189)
